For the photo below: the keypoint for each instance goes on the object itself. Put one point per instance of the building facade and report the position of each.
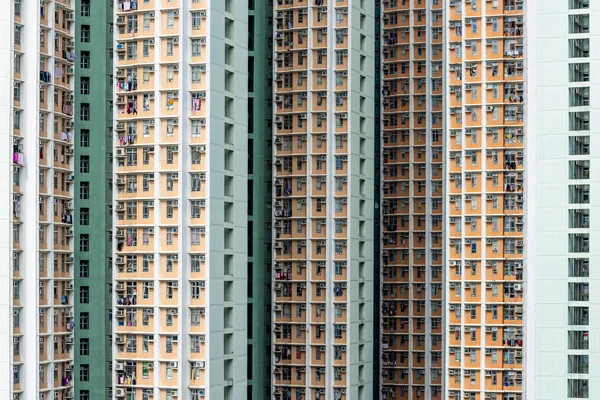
(37, 131)
(484, 221)
(173, 235)
(323, 199)
(93, 198)
(180, 199)
(260, 153)
(411, 199)
(562, 221)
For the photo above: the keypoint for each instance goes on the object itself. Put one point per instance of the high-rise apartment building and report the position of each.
(411, 199)
(93, 198)
(180, 192)
(298, 199)
(323, 199)
(6, 278)
(37, 158)
(562, 222)
(484, 205)
(260, 153)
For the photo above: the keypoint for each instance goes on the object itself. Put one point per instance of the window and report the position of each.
(84, 321)
(195, 343)
(84, 85)
(170, 19)
(195, 261)
(196, 394)
(84, 395)
(196, 74)
(132, 50)
(84, 269)
(84, 112)
(196, 234)
(84, 294)
(85, 33)
(17, 119)
(17, 8)
(84, 243)
(196, 289)
(196, 182)
(196, 208)
(17, 91)
(170, 47)
(84, 164)
(196, 48)
(84, 59)
(84, 138)
(84, 373)
(84, 190)
(84, 347)
(196, 316)
(84, 216)
(17, 63)
(18, 34)
(196, 20)
(85, 8)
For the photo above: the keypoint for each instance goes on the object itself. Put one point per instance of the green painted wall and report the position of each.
(98, 227)
(260, 76)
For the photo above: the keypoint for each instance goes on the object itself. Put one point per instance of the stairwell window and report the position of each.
(85, 33)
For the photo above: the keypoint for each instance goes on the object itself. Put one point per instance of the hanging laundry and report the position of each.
(196, 105)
